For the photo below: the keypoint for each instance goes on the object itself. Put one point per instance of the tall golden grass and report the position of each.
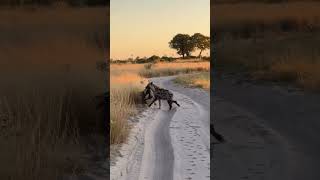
(43, 117)
(199, 80)
(260, 19)
(174, 68)
(260, 12)
(125, 89)
(244, 13)
(48, 85)
(305, 75)
(275, 42)
(45, 36)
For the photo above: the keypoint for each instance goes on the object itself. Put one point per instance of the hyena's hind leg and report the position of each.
(175, 102)
(170, 104)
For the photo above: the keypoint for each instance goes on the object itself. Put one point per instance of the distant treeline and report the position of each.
(15, 3)
(151, 59)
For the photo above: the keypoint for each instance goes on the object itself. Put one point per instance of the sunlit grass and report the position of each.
(304, 75)
(47, 104)
(270, 42)
(199, 80)
(169, 69)
(125, 92)
(42, 119)
(251, 18)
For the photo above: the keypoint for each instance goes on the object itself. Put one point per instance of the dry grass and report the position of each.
(259, 12)
(125, 88)
(52, 36)
(174, 68)
(305, 75)
(275, 42)
(199, 80)
(47, 95)
(43, 117)
(249, 20)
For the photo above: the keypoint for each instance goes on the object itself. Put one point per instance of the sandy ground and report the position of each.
(127, 163)
(167, 144)
(272, 131)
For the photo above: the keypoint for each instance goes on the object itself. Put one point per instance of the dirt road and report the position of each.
(170, 144)
(272, 132)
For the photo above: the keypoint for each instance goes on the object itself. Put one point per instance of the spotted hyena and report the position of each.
(157, 93)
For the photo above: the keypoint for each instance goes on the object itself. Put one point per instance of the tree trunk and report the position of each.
(200, 54)
(183, 56)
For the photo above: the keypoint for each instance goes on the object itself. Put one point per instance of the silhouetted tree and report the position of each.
(200, 42)
(153, 58)
(183, 44)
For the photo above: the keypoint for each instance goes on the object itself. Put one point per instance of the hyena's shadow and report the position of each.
(169, 113)
(164, 105)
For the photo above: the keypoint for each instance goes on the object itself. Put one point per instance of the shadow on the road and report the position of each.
(163, 147)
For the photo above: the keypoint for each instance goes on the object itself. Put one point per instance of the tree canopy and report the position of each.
(201, 42)
(185, 44)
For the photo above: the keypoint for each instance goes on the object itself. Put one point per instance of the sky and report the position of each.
(145, 27)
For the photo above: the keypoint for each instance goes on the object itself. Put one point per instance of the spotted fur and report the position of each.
(157, 93)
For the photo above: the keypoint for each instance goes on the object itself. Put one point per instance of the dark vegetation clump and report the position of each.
(143, 60)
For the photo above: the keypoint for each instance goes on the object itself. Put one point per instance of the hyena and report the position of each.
(157, 93)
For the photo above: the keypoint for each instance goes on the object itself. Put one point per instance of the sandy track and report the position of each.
(175, 143)
(180, 138)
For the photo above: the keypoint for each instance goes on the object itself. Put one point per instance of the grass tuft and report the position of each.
(200, 80)
(42, 120)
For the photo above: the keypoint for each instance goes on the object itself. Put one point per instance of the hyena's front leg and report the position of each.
(152, 101)
(170, 104)
(159, 103)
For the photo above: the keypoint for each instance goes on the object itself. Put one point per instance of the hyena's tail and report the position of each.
(218, 136)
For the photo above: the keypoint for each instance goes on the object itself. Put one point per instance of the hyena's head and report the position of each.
(150, 88)
(149, 85)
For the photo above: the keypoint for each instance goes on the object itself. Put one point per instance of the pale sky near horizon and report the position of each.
(145, 27)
